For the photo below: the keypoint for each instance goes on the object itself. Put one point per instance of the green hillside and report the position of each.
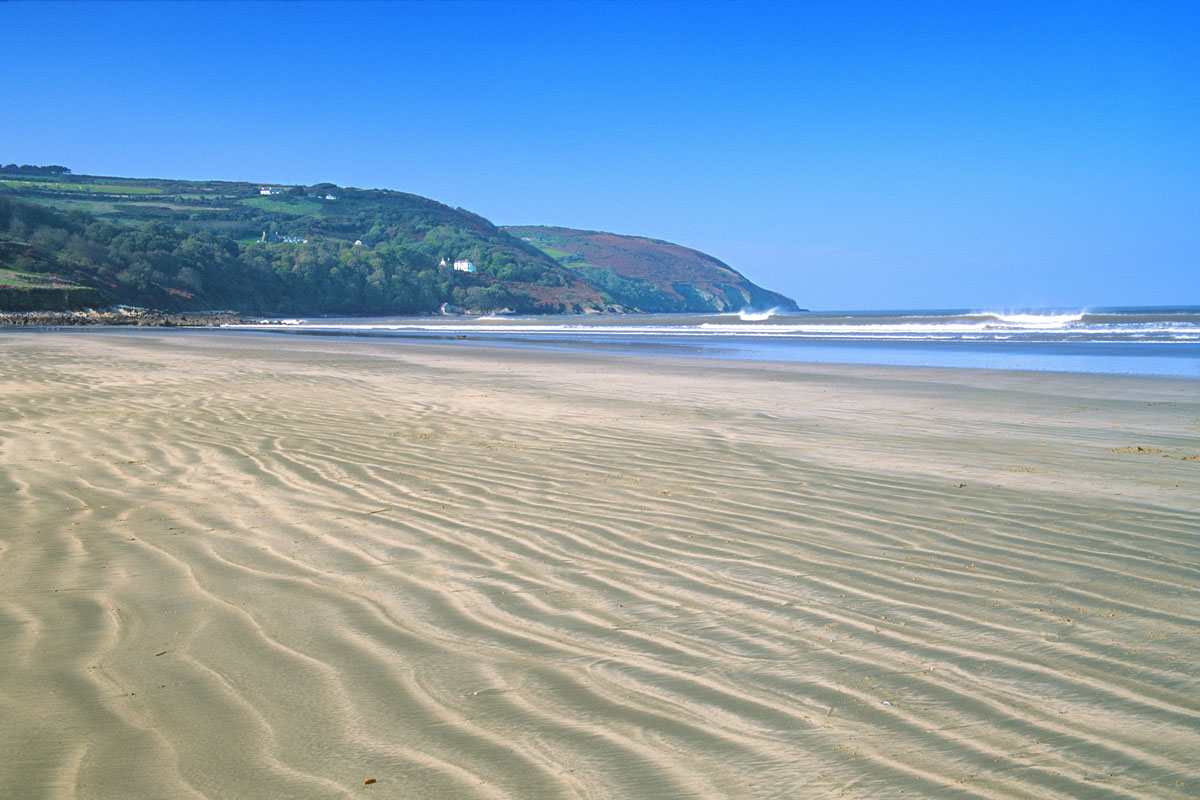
(68, 241)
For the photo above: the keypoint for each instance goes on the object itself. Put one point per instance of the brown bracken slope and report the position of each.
(651, 274)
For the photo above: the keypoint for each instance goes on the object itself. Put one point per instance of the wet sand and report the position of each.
(237, 566)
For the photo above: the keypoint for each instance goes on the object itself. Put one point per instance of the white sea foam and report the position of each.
(746, 315)
(975, 326)
(895, 330)
(1142, 341)
(1039, 321)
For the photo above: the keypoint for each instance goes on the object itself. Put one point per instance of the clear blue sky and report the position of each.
(851, 155)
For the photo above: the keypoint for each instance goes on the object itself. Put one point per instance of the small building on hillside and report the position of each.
(463, 265)
(267, 190)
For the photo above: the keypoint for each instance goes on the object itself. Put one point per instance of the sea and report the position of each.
(1134, 341)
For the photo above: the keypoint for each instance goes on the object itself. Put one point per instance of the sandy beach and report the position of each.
(240, 566)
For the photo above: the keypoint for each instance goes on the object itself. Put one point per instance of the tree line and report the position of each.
(30, 169)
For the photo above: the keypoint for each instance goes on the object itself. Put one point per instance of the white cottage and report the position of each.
(464, 265)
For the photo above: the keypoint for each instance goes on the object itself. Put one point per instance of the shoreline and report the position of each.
(121, 315)
(1166, 361)
(278, 566)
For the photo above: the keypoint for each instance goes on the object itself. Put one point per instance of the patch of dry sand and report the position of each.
(238, 567)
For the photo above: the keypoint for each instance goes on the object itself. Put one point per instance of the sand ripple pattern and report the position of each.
(234, 567)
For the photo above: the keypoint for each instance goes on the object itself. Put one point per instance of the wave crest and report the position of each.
(1040, 321)
(749, 315)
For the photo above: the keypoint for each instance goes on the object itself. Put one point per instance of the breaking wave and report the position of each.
(748, 315)
(1039, 321)
(1129, 326)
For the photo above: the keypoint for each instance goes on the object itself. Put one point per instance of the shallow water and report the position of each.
(1136, 341)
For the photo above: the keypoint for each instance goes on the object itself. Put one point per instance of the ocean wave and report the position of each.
(747, 315)
(1013, 327)
(1040, 321)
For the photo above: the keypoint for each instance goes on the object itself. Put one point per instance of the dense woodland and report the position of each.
(157, 266)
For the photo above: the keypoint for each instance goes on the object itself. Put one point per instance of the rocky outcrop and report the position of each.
(121, 315)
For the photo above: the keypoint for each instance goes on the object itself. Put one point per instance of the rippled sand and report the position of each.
(248, 567)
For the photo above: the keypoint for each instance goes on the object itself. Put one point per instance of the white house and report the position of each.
(464, 266)
(269, 190)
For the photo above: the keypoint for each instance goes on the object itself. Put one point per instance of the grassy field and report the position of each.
(28, 280)
(175, 206)
(99, 188)
(562, 256)
(68, 203)
(550, 251)
(298, 207)
(120, 211)
(207, 196)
